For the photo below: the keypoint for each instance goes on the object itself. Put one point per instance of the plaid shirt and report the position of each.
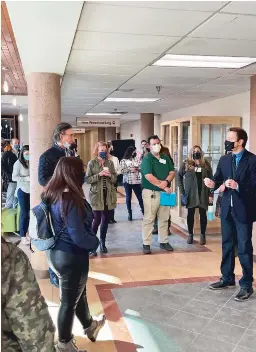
(129, 176)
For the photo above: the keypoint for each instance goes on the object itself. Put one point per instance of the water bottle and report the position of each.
(210, 212)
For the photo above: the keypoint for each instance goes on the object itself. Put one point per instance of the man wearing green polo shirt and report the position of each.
(157, 173)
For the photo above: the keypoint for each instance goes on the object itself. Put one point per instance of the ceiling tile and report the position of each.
(106, 17)
(130, 43)
(228, 26)
(241, 7)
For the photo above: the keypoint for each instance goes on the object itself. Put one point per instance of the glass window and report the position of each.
(7, 128)
(185, 140)
(166, 135)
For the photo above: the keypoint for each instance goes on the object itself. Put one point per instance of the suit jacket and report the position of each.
(243, 199)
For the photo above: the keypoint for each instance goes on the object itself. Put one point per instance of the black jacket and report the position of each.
(245, 175)
(8, 160)
(48, 162)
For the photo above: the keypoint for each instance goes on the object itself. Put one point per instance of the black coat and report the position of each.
(7, 162)
(244, 200)
(187, 182)
(48, 162)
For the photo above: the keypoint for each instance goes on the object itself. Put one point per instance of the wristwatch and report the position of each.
(168, 183)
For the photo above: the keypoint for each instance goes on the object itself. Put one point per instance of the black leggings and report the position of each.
(190, 220)
(72, 271)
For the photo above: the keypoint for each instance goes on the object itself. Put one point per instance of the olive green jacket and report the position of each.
(96, 182)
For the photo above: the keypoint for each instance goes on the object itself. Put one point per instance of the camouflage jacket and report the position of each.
(26, 323)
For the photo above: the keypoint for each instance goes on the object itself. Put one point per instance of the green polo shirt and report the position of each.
(152, 165)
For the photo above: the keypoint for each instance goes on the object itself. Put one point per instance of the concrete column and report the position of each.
(157, 125)
(252, 139)
(43, 115)
(110, 133)
(146, 125)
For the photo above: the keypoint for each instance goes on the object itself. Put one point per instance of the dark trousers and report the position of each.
(72, 271)
(138, 193)
(24, 202)
(191, 218)
(234, 232)
(101, 218)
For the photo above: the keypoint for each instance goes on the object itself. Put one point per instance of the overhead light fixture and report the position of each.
(170, 60)
(104, 114)
(131, 100)
(6, 87)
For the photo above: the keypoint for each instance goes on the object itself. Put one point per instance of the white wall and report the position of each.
(235, 105)
(131, 128)
(23, 128)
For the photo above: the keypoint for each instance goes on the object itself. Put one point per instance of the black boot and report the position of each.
(103, 248)
(202, 239)
(190, 239)
(129, 216)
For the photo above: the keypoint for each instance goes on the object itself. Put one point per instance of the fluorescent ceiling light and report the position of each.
(204, 61)
(131, 100)
(104, 114)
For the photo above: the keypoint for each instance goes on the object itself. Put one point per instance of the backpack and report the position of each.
(41, 230)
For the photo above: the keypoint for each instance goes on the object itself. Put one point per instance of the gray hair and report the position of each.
(60, 129)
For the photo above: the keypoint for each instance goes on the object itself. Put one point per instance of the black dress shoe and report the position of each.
(202, 239)
(103, 248)
(190, 239)
(93, 254)
(146, 249)
(166, 246)
(221, 285)
(244, 294)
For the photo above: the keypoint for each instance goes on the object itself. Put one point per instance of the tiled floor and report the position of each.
(159, 303)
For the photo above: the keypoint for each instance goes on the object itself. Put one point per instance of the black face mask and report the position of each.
(148, 149)
(134, 154)
(73, 146)
(197, 156)
(111, 152)
(229, 146)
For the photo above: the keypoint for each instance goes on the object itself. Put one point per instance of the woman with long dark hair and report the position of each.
(191, 183)
(130, 168)
(69, 259)
(21, 175)
(101, 175)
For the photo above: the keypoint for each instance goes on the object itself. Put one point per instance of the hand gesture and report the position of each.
(231, 184)
(209, 183)
(222, 188)
(168, 190)
(103, 173)
(163, 185)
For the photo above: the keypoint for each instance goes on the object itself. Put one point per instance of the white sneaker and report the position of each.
(68, 347)
(25, 240)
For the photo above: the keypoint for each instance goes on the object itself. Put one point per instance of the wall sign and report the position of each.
(78, 130)
(98, 122)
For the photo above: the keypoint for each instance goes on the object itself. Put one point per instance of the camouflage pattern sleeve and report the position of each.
(26, 309)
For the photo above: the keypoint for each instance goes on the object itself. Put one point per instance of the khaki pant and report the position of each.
(152, 208)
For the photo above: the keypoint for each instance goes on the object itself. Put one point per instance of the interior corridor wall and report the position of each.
(23, 129)
(131, 128)
(234, 105)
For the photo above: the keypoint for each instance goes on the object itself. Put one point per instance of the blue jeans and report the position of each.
(138, 193)
(24, 202)
(235, 232)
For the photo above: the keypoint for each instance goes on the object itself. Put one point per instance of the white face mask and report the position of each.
(66, 145)
(156, 148)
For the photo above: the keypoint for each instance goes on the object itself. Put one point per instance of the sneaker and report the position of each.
(166, 246)
(220, 285)
(190, 239)
(25, 241)
(93, 331)
(68, 347)
(244, 294)
(146, 249)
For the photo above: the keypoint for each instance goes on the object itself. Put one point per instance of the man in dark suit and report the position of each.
(237, 171)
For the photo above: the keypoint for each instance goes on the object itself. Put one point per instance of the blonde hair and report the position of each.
(96, 148)
(8, 148)
(190, 162)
